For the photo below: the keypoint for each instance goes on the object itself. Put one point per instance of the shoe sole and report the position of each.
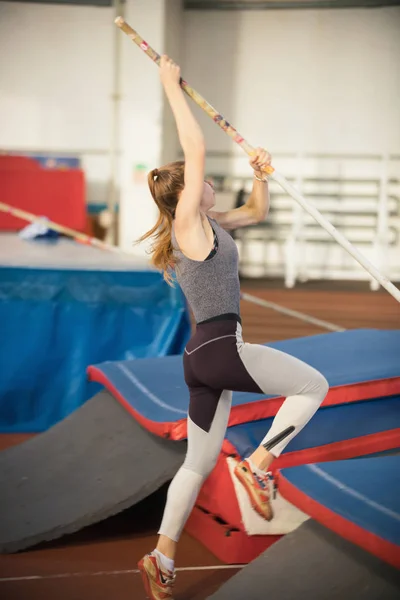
(145, 579)
(243, 480)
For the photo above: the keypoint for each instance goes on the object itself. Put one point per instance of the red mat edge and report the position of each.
(253, 411)
(160, 429)
(386, 551)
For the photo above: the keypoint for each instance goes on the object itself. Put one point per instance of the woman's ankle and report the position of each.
(166, 546)
(262, 458)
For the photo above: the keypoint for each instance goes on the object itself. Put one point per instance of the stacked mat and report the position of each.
(360, 416)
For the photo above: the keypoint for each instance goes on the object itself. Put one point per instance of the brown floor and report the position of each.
(99, 563)
(354, 308)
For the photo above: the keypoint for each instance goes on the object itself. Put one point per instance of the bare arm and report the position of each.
(190, 135)
(257, 205)
(189, 230)
(191, 139)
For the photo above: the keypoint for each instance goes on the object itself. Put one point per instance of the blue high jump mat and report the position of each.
(357, 499)
(64, 306)
(359, 365)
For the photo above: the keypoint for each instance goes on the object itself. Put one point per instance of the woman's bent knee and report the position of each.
(322, 386)
(316, 386)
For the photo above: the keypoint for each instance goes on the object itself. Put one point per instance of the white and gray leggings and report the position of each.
(216, 361)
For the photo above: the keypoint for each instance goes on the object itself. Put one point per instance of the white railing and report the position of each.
(360, 195)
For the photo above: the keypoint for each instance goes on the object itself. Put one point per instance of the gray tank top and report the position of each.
(211, 286)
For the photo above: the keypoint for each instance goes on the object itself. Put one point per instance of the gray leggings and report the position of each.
(216, 361)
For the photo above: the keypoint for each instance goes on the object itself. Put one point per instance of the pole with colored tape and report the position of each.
(235, 135)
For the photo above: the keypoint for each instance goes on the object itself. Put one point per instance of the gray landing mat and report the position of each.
(93, 464)
(313, 563)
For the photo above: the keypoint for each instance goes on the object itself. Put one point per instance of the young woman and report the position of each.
(190, 240)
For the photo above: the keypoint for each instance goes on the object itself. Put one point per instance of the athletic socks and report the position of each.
(167, 563)
(259, 472)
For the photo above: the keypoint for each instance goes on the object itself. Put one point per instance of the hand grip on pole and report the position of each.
(195, 96)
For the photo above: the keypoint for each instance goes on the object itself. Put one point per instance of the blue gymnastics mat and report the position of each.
(334, 432)
(359, 365)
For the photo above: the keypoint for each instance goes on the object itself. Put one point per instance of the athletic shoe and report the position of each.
(157, 581)
(257, 489)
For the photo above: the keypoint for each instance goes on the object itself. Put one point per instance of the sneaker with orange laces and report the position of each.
(157, 581)
(257, 489)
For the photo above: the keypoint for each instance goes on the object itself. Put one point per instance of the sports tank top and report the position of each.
(211, 286)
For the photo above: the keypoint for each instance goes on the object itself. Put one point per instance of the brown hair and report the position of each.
(165, 186)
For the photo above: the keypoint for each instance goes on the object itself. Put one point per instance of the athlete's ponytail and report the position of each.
(165, 186)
